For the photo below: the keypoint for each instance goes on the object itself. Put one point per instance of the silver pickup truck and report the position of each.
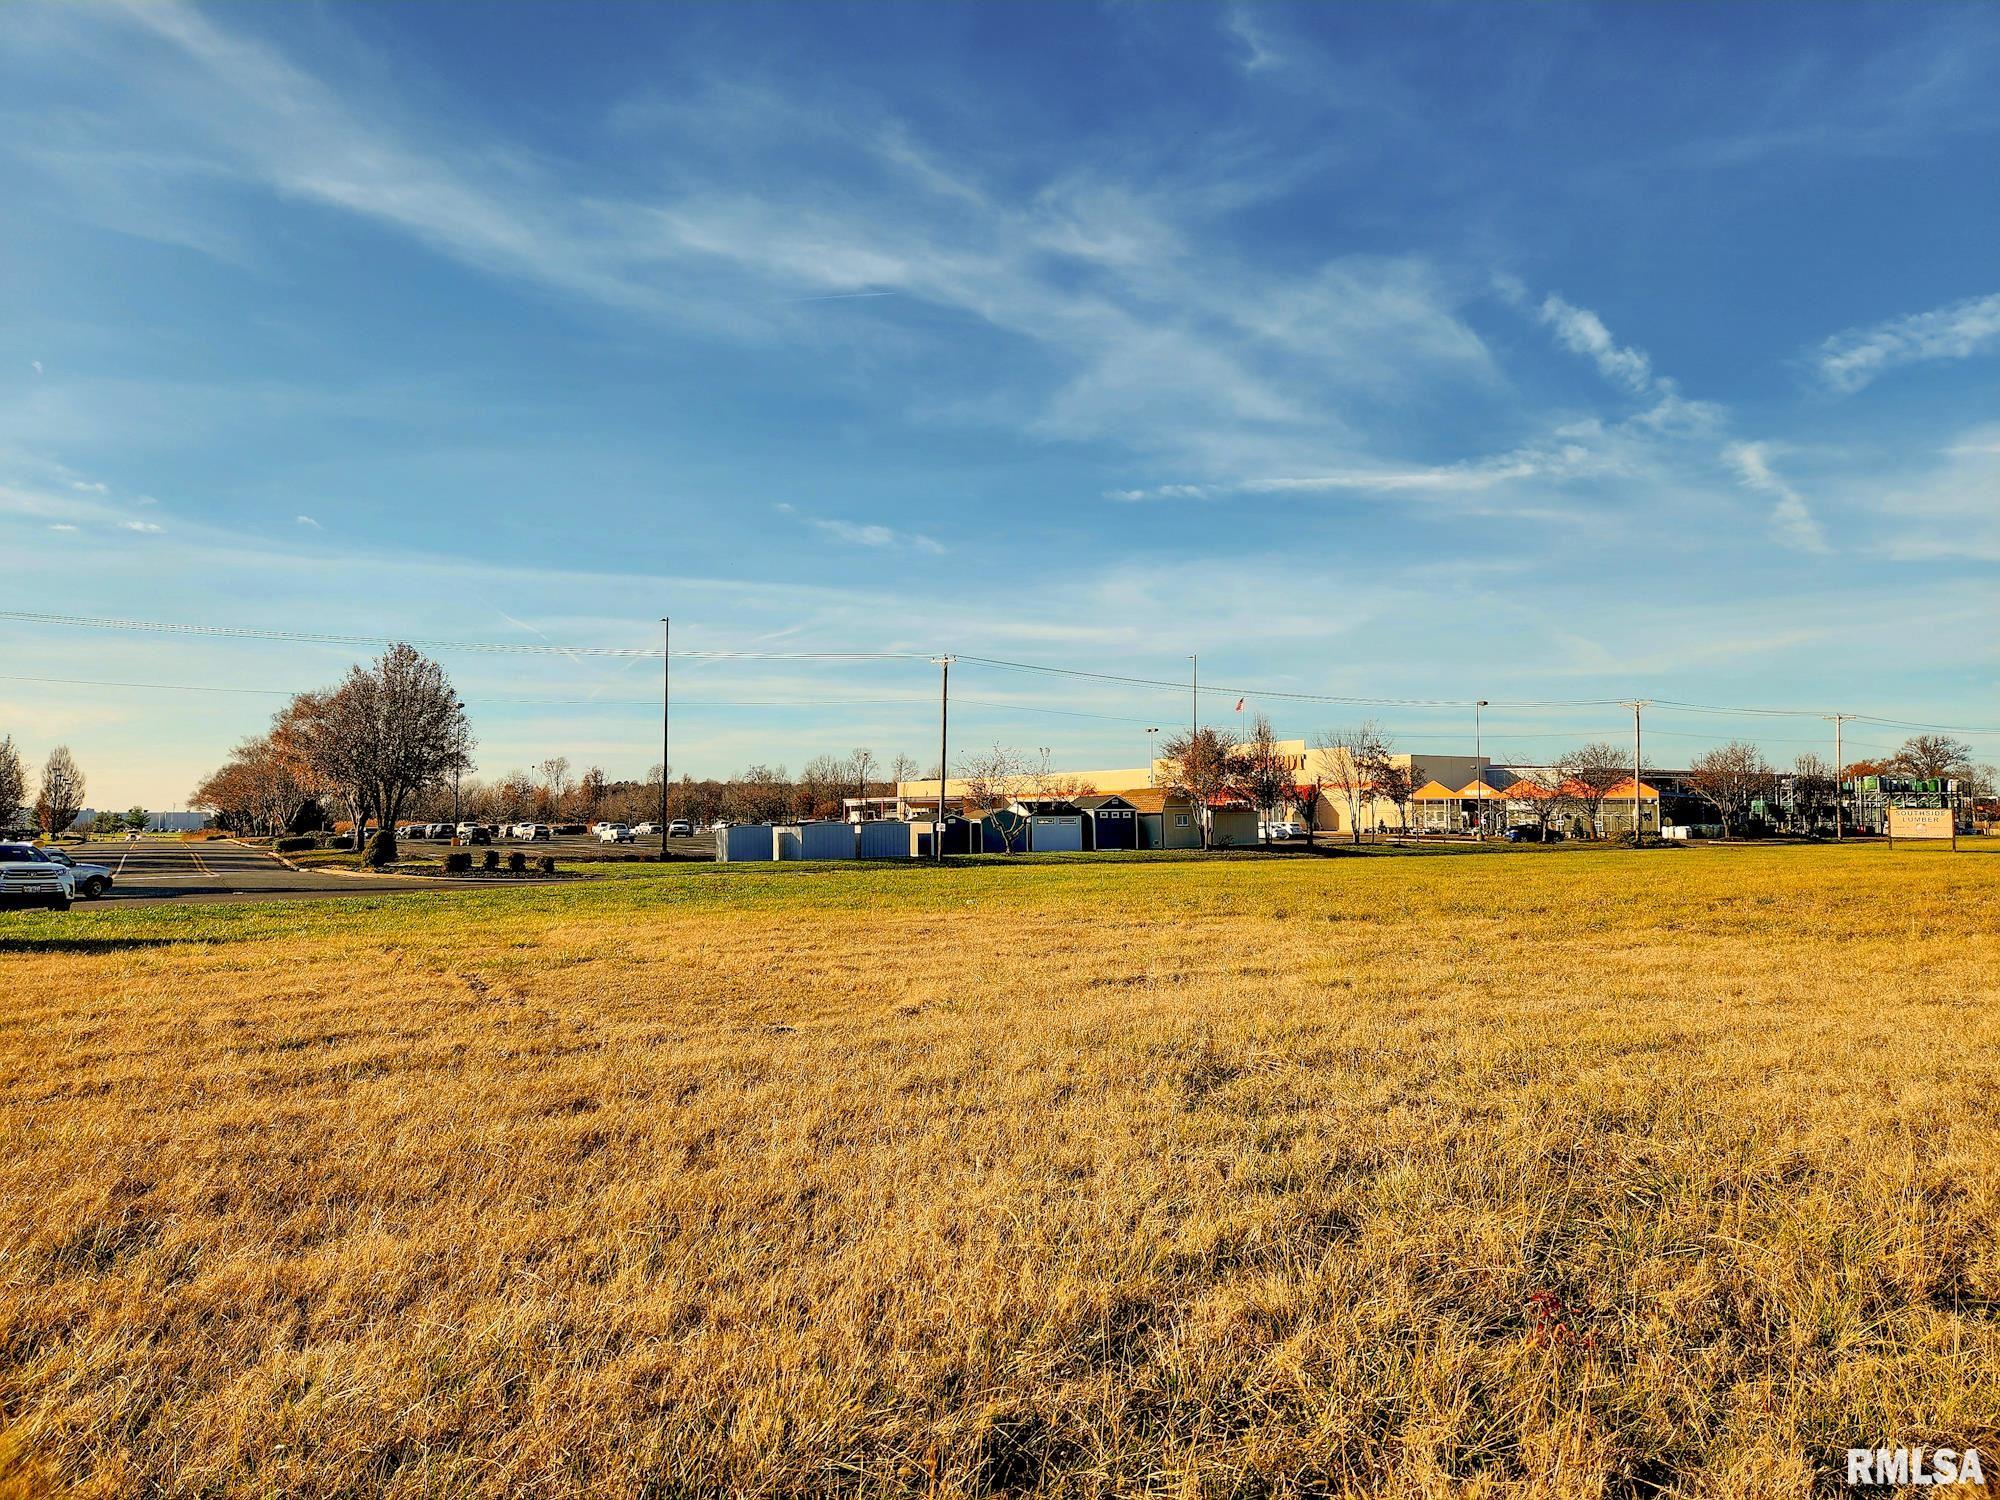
(28, 877)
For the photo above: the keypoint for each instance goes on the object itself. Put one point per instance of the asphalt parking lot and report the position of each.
(154, 870)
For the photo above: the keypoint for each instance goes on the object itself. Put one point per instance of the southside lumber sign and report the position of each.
(1923, 823)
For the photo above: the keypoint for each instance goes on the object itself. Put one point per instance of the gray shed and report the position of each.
(827, 840)
(885, 840)
(1055, 832)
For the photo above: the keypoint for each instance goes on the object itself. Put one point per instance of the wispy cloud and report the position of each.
(1792, 521)
(35, 365)
(306, 521)
(1849, 360)
(1146, 336)
(148, 528)
(860, 535)
(1581, 331)
(89, 487)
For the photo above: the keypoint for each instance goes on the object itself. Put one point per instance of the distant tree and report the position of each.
(1303, 799)
(388, 732)
(1729, 778)
(107, 823)
(1203, 767)
(1266, 775)
(760, 794)
(861, 769)
(902, 769)
(553, 786)
(822, 783)
(1812, 790)
(590, 793)
(61, 795)
(1357, 756)
(138, 819)
(1595, 769)
(1932, 755)
(13, 783)
(1391, 783)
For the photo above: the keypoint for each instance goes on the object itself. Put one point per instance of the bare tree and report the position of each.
(761, 794)
(1357, 755)
(61, 796)
(1266, 776)
(903, 769)
(992, 782)
(1812, 790)
(1729, 778)
(1595, 769)
(555, 784)
(13, 783)
(1203, 767)
(389, 731)
(861, 769)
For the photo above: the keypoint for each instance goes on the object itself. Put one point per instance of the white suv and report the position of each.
(29, 877)
(613, 833)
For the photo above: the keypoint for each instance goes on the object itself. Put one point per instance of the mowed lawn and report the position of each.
(1572, 1173)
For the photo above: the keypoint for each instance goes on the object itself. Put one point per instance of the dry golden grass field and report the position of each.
(1548, 1173)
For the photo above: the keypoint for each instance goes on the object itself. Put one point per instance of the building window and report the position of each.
(1180, 820)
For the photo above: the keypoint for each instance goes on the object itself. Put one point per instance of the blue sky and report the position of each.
(1533, 353)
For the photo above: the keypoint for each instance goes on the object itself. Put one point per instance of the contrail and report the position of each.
(838, 296)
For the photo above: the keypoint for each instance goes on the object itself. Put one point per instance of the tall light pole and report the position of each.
(1479, 770)
(1152, 754)
(1194, 722)
(1839, 775)
(666, 724)
(1638, 827)
(944, 745)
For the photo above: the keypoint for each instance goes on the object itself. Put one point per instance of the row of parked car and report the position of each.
(539, 833)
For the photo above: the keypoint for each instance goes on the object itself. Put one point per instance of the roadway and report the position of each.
(154, 870)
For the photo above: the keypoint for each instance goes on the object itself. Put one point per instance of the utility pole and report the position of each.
(667, 721)
(1479, 770)
(1839, 775)
(944, 742)
(1195, 722)
(1152, 755)
(1638, 827)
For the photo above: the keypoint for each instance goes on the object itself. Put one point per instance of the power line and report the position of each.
(533, 648)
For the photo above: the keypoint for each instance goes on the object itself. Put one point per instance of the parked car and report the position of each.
(680, 828)
(87, 881)
(613, 833)
(473, 833)
(645, 828)
(29, 877)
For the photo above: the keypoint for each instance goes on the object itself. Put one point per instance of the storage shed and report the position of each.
(1055, 833)
(743, 842)
(831, 839)
(886, 839)
(1109, 822)
(1002, 832)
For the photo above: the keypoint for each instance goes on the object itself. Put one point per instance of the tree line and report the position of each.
(58, 798)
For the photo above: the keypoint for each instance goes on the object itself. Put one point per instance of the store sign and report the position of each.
(1922, 823)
